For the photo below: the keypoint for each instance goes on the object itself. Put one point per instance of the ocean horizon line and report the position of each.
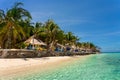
(111, 52)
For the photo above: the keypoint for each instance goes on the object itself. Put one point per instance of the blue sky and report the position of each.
(96, 21)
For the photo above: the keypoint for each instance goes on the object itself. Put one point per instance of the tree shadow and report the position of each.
(26, 59)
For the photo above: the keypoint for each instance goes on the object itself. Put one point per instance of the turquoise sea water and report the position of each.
(96, 67)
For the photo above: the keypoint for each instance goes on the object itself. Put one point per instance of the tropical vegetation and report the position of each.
(16, 27)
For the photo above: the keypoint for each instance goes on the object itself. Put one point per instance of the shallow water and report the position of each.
(95, 67)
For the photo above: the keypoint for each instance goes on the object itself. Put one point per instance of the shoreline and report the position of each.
(21, 66)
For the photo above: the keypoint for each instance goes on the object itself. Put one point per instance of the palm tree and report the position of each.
(18, 13)
(37, 29)
(60, 37)
(51, 29)
(71, 39)
(11, 30)
(27, 27)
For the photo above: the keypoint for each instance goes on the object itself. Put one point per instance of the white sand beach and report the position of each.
(10, 67)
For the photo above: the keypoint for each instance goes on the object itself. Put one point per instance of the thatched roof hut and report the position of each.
(34, 41)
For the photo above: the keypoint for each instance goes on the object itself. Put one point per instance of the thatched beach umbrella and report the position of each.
(60, 45)
(34, 41)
